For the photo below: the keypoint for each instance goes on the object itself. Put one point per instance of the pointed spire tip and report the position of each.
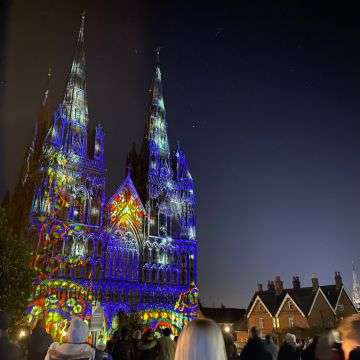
(157, 51)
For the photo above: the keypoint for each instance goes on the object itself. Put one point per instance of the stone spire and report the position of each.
(356, 288)
(75, 97)
(157, 125)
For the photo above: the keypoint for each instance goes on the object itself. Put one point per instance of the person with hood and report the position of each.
(167, 346)
(76, 347)
(148, 346)
(255, 347)
(8, 351)
(289, 349)
(201, 339)
(271, 347)
(39, 342)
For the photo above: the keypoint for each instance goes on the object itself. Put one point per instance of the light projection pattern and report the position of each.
(188, 302)
(125, 211)
(56, 301)
(75, 258)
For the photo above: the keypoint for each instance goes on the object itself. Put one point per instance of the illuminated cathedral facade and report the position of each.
(135, 251)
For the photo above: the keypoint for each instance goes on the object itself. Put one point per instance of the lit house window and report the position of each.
(274, 322)
(291, 322)
(277, 323)
(261, 323)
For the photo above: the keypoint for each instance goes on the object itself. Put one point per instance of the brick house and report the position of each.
(301, 310)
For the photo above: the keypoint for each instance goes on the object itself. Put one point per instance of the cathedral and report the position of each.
(135, 252)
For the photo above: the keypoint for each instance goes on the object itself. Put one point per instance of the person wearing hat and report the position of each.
(8, 351)
(76, 346)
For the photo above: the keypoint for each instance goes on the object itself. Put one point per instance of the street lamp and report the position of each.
(227, 328)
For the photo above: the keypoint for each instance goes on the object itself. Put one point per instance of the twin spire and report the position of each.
(75, 105)
(75, 97)
(157, 125)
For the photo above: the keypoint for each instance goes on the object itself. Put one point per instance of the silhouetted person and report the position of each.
(289, 349)
(230, 348)
(109, 348)
(8, 351)
(39, 342)
(148, 346)
(124, 347)
(355, 354)
(167, 347)
(309, 352)
(271, 347)
(255, 347)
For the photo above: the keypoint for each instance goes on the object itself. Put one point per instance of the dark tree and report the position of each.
(16, 276)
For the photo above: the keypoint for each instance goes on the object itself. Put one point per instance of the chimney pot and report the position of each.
(260, 288)
(296, 282)
(338, 280)
(315, 282)
(278, 285)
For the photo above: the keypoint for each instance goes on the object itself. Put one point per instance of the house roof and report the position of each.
(303, 297)
(224, 315)
(332, 293)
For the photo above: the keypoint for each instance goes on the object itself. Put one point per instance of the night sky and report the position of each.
(265, 100)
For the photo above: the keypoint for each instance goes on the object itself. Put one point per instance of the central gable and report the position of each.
(124, 211)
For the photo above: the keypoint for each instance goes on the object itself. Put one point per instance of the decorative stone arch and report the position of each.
(90, 245)
(67, 270)
(80, 204)
(168, 276)
(154, 275)
(99, 247)
(147, 253)
(88, 269)
(98, 270)
(78, 244)
(175, 277)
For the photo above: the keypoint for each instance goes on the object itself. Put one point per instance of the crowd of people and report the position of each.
(201, 339)
(337, 344)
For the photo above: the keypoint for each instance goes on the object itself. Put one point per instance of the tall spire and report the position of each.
(356, 288)
(157, 128)
(75, 98)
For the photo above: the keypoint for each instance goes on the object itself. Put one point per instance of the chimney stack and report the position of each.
(278, 285)
(260, 288)
(271, 286)
(296, 283)
(315, 282)
(338, 280)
